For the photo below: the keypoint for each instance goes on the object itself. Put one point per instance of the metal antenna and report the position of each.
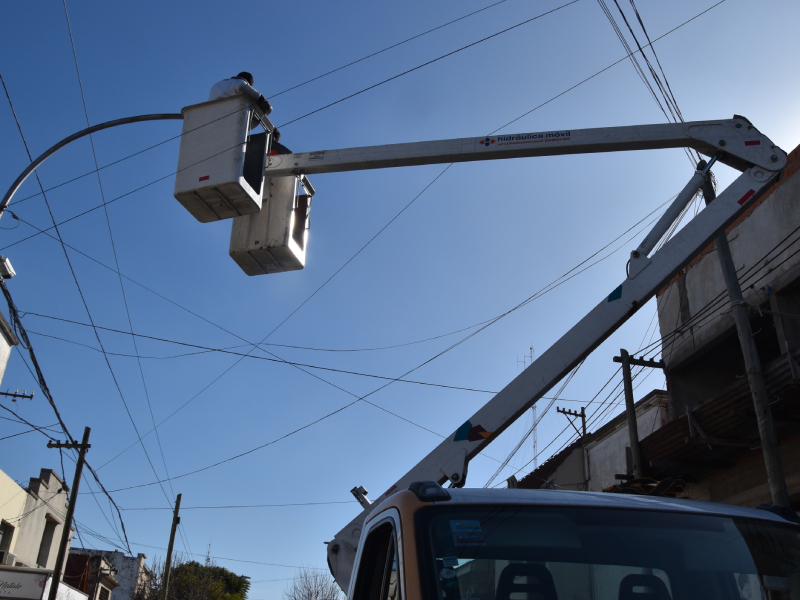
(535, 439)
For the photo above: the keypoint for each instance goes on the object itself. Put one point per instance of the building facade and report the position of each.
(32, 521)
(713, 440)
(92, 574)
(130, 572)
(601, 459)
(704, 430)
(12, 508)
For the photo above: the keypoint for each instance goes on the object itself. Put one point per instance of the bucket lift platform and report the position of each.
(221, 165)
(274, 239)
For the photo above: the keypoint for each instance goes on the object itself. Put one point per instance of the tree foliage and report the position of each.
(191, 580)
(312, 584)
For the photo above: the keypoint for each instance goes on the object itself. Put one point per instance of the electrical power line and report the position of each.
(687, 21)
(425, 64)
(601, 71)
(405, 41)
(121, 285)
(264, 358)
(496, 130)
(704, 312)
(246, 506)
(568, 275)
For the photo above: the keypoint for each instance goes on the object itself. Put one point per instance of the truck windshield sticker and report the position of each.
(450, 561)
(467, 532)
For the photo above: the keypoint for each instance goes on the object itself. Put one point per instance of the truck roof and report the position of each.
(594, 500)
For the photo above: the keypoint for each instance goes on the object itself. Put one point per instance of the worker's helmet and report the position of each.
(246, 76)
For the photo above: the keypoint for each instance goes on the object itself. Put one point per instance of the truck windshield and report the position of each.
(555, 553)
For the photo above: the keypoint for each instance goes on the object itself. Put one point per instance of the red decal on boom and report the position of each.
(747, 196)
(204, 177)
(753, 143)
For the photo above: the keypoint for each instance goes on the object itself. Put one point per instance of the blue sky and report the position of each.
(481, 239)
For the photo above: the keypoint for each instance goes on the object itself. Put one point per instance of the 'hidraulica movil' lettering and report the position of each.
(525, 138)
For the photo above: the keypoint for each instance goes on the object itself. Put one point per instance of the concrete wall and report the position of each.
(46, 503)
(592, 467)
(65, 592)
(773, 219)
(12, 507)
(745, 484)
(130, 572)
(607, 455)
(571, 474)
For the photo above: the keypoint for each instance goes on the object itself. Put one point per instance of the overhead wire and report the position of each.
(121, 285)
(340, 100)
(51, 438)
(601, 71)
(244, 355)
(19, 329)
(668, 97)
(676, 27)
(496, 130)
(405, 41)
(516, 448)
(425, 64)
(702, 313)
(237, 506)
(571, 273)
(115, 199)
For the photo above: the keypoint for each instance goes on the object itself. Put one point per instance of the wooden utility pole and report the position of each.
(168, 565)
(578, 415)
(755, 377)
(633, 427)
(630, 411)
(62, 548)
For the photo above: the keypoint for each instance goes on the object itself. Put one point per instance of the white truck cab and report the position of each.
(431, 543)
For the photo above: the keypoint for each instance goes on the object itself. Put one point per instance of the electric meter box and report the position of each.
(274, 240)
(221, 165)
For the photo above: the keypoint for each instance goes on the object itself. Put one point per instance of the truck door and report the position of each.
(378, 576)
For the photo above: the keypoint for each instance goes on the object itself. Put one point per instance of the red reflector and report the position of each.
(753, 143)
(204, 177)
(747, 196)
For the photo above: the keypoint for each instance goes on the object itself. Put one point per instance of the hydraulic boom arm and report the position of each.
(743, 145)
(734, 142)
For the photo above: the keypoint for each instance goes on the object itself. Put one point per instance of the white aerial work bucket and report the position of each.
(221, 165)
(275, 239)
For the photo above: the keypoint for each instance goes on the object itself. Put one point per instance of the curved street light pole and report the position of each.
(67, 140)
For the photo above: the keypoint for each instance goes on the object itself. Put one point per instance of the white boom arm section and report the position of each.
(734, 142)
(743, 145)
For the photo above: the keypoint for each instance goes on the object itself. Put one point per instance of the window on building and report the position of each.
(6, 535)
(104, 594)
(47, 541)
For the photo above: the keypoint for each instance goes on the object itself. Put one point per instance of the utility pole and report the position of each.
(578, 415)
(633, 428)
(630, 411)
(755, 376)
(62, 548)
(168, 565)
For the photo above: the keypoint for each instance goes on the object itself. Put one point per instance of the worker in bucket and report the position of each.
(241, 84)
(276, 147)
